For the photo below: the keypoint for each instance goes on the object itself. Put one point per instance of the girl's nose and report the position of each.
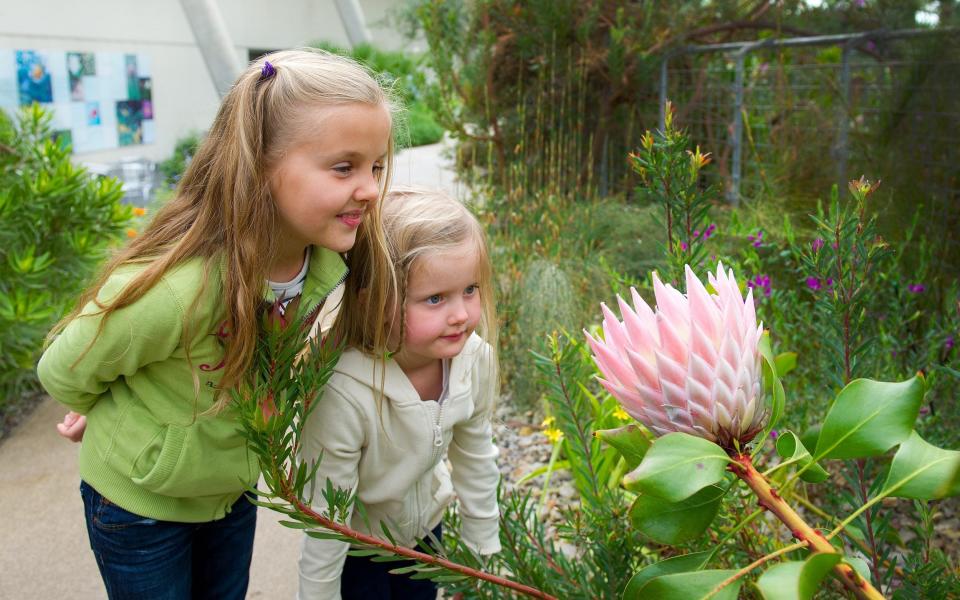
(369, 190)
(458, 314)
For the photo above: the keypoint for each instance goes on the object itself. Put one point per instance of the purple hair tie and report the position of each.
(267, 71)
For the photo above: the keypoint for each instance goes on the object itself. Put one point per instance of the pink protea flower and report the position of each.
(692, 366)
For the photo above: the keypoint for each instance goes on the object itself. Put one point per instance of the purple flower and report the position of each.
(773, 434)
(829, 282)
(683, 246)
(816, 244)
(696, 233)
(948, 345)
(814, 284)
(709, 231)
(756, 240)
(761, 282)
(917, 288)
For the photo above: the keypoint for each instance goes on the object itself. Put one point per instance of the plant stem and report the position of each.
(369, 540)
(754, 565)
(768, 498)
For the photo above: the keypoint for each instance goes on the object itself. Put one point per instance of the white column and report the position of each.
(213, 39)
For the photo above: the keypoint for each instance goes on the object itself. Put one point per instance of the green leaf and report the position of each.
(697, 585)
(870, 417)
(675, 564)
(923, 471)
(675, 523)
(631, 440)
(859, 565)
(678, 466)
(789, 447)
(771, 383)
(785, 362)
(797, 580)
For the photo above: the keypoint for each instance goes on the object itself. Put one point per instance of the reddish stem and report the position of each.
(369, 540)
(768, 498)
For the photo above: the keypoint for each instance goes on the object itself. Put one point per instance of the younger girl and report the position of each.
(289, 174)
(382, 426)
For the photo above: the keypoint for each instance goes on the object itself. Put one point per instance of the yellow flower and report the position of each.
(139, 211)
(131, 233)
(621, 414)
(548, 422)
(553, 434)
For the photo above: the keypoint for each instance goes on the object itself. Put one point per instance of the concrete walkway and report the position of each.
(44, 552)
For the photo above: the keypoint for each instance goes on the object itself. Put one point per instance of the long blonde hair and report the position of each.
(223, 210)
(416, 222)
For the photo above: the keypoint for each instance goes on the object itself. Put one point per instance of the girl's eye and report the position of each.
(343, 169)
(471, 290)
(378, 170)
(434, 299)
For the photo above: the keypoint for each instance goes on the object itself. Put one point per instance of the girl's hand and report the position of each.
(73, 426)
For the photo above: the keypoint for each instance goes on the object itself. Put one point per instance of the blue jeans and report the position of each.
(364, 579)
(142, 558)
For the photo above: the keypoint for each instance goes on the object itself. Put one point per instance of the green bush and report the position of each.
(56, 221)
(546, 305)
(172, 168)
(406, 75)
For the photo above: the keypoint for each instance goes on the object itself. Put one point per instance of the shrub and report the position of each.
(56, 221)
(546, 305)
(406, 74)
(172, 168)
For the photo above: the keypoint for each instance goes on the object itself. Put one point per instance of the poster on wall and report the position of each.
(99, 100)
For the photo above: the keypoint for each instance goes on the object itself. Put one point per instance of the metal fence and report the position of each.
(794, 116)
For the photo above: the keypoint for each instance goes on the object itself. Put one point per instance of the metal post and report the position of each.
(736, 138)
(843, 115)
(663, 93)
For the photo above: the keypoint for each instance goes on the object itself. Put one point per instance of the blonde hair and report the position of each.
(223, 210)
(416, 222)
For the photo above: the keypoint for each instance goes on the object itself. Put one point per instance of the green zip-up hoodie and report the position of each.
(148, 446)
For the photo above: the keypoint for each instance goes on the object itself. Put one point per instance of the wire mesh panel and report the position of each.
(804, 114)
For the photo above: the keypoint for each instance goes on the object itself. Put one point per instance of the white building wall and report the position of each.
(184, 97)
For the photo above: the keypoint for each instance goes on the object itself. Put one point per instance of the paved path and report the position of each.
(44, 552)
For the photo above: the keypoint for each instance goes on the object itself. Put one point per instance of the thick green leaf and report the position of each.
(631, 440)
(859, 565)
(922, 471)
(785, 362)
(678, 466)
(675, 523)
(675, 564)
(771, 383)
(789, 447)
(870, 417)
(796, 580)
(811, 436)
(697, 585)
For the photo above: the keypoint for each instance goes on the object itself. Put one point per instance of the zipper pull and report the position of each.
(437, 435)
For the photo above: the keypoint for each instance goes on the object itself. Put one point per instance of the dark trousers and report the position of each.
(364, 579)
(147, 559)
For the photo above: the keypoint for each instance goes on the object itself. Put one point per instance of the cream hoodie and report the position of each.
(393, 459)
